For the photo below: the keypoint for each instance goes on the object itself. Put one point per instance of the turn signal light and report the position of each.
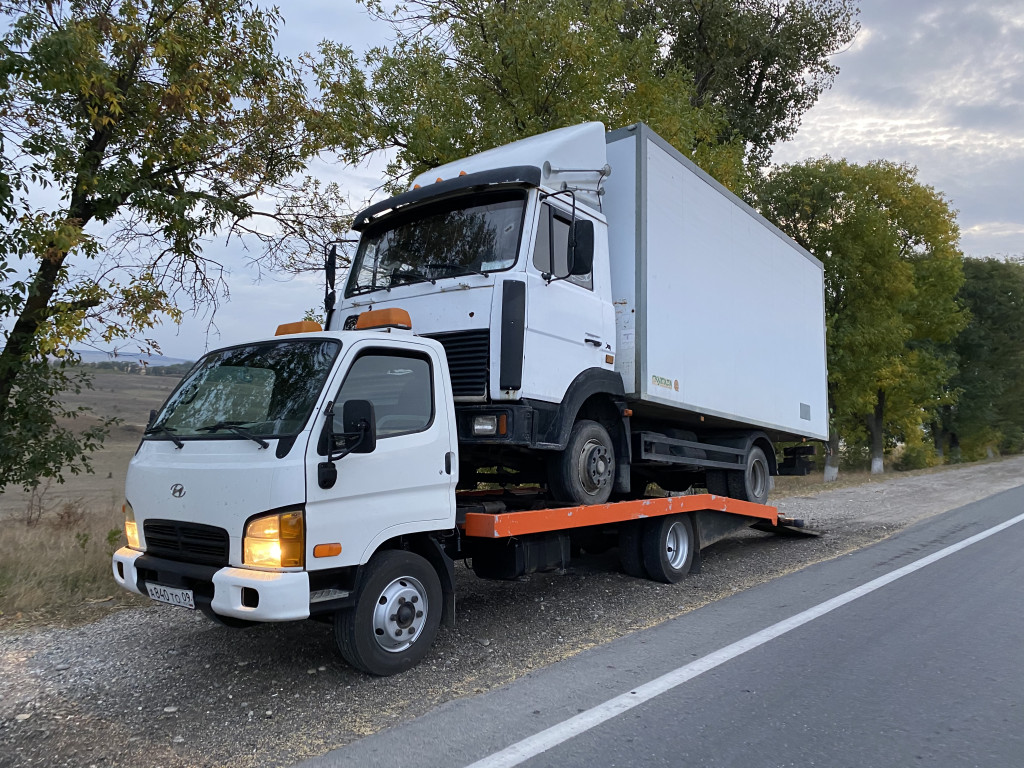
(327, 550)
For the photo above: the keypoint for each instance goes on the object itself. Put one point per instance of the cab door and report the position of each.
(407, 484)
(567, 325)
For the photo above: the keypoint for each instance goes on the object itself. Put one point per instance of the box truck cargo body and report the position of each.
(718, 313)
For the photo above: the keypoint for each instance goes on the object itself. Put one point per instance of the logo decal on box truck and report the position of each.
(660, 381)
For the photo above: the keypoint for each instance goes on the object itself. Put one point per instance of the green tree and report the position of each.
(989, 413)
(765, 62)
(466, 75)
(892, 270)
(132, 131)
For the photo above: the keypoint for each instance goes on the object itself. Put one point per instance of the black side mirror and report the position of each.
(581, 247)
(360, 426)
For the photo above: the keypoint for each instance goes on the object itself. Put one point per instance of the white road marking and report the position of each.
(557, 734)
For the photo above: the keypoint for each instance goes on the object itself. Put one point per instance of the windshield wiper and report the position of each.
(233, 426)
(169, 431)
(358, 289)
(407, 277)
(463, 269)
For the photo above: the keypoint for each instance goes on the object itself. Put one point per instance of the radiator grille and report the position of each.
(188, 542)
(468, 354)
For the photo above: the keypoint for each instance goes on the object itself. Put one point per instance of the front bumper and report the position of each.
(274, 595)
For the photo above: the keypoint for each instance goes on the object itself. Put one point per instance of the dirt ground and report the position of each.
(162, 686)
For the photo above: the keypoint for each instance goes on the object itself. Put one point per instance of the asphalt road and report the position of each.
(878, 658)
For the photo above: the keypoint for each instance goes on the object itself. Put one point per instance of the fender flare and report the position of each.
(593, 381)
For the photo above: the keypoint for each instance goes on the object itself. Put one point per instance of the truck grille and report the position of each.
(468, 354)
(188, 542)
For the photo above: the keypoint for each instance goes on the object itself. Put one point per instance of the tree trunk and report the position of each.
(939, 438)
(832, 460)
(21, 341)
(875, 430)
(954, 446)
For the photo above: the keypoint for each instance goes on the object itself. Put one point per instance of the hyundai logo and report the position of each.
(177, 490)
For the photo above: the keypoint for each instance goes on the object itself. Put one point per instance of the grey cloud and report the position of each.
(996, 118)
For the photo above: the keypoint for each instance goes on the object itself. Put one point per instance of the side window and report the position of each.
(550, 252)
(399, 386)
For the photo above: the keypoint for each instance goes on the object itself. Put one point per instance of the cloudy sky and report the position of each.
(938, 84)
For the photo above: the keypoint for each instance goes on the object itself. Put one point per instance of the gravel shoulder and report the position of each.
(164, 687)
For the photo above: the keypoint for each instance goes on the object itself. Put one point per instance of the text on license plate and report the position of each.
(171, 595)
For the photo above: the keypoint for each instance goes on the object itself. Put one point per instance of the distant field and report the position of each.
(128, 397)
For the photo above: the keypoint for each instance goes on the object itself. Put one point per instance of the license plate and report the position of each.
(171, 595)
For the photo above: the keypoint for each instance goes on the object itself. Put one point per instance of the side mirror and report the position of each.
(581, 247)
(361, 425)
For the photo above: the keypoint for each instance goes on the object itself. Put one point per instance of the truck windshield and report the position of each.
(460, 236)
(256, 391)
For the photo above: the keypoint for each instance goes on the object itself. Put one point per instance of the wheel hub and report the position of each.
(400, 613)
(595, 466)
(677, 546)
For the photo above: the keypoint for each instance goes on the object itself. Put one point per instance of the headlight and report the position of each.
(131, 530)
(275, 541)
(485, 425)
(490, 425)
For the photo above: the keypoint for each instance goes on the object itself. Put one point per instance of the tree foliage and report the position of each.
(132, 132)
(467, 75)
(892, 271)
(764, 62)
(990, 409)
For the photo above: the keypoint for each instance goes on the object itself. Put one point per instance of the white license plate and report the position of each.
(171, 595)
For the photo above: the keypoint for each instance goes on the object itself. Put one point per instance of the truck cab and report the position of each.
(507, 266)
(235, 504)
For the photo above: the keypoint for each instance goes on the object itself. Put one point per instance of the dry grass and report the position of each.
(59, 568)
(56, 544)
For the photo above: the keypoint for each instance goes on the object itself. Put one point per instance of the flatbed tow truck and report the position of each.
(314, 474)
(592, 334)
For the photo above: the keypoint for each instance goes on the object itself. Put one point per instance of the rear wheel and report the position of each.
(396, 616)
(667, 545)
(584, 473)
(754, 482)
(717, 482)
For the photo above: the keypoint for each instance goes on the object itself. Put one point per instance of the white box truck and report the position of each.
(529, 316)
(686, 338)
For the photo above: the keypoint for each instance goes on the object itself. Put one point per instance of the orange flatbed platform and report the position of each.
(501, 525)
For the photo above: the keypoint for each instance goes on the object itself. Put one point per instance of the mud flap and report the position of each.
(445, 568)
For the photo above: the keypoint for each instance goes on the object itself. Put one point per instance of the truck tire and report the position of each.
(667, 545)
(584, 473)
(717, 482)
(754, 482)
(630, 554)
(396, 616)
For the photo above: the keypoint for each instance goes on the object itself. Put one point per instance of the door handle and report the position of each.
(448, 462)
(595, 342)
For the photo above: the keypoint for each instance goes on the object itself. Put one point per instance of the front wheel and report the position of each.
(584, 473)
(396, 616)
